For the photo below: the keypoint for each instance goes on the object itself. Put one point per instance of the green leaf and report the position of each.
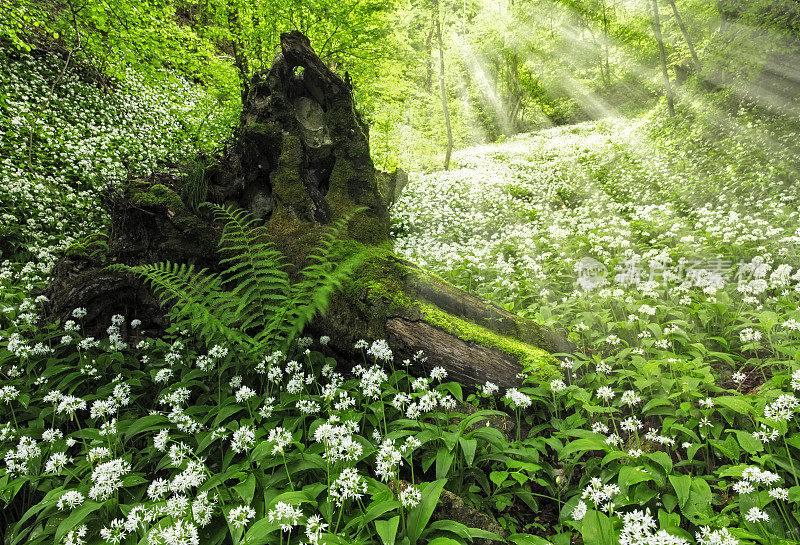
(387, 530)
(259, 532)
(629, 476)
(681, 484)
(748, 442)
(498, 477)
(247, 489)
(468, 447)
(419, 516)
(444, 541)
(527, 539)
(663, 459)
(75, 518)
(583, 445)
(738, 404)
(444, 459)
(595, 528)
(378, 508)
(461, 530)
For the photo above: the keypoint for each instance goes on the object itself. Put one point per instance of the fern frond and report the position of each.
(255, 266)
(195, 299)
(328, 270)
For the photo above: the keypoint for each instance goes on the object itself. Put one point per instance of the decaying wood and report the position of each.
(298, 161)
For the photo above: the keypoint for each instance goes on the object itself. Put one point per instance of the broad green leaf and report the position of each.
(738, 404)
(682, 485)
(387, 530)
(75, 518)
(468, 447)
(595, 528)
(419, 516)
(527, 539)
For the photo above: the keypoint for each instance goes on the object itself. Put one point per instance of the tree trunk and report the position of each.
(607, 79)
(686, 36)
(442, 87)
(299, 160)
(663, 58)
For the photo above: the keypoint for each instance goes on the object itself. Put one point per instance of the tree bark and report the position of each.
(663, 58)
(442, 87)
(299, 160)
(686, 36)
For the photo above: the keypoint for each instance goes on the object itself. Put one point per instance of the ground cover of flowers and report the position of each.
(669, 255)
(675, 420)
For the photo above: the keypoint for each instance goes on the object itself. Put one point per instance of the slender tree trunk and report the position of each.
(442, 86)
(663, 58)
(686, 36)
(605, 45)
(428, 55)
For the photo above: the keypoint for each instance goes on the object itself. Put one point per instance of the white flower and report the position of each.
(280, 438)
(557, 385)
(717, 537)
(348, 486)
(796, 380)
(410, 497)
(605, 393)
(203, 508)
(490, 388)
(603, 368)
(380, 350)
(51, 435)
(749, 335)
(631, 398)
(157, 489)
(438, 373)
(244, 393)
(520, 400)
(160, 440)
(580, 511)
(114, 532)
(285, 515)
(76, 536)
(756, 515)
(218, 352)
(779, 493)
(241, 515)
(388, 460)
(243, 439)
(70, 499)
(371, 382)
(163, 375)
(314, 528)
(107, 478)
(70, 405)
(57, 462)
(599, 427)
(782, 409)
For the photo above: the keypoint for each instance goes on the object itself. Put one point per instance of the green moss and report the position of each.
(160, 196)
(386, 278)
(94, 247)
(287, 185)
(534, 360)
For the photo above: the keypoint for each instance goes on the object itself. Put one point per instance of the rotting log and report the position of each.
(299, 160)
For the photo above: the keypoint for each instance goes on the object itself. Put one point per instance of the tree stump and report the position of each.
(299, 160)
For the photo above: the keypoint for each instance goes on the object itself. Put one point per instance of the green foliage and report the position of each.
(261, 310)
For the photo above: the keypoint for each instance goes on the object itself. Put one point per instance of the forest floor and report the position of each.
(667, 251)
